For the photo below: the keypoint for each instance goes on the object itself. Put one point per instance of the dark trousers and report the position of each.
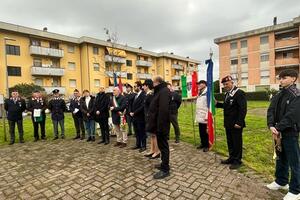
(62, 127)
(104, 129)
(36, 129)
(12, 125)
(129, 123)
(79, 126)
(235, 144)
(163, 145)
(174, 122)
(140, 133)
(203, 135)
(289, 157)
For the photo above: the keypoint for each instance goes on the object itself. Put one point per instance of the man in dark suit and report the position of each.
(159, 123)
(102, 114)
(87, 107)
(129, 96)
(14, 107)
(37, 106)
(77, 115)
(137, 112)
(57, 106)
(235, 109)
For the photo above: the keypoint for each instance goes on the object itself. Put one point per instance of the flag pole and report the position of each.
(192, 104)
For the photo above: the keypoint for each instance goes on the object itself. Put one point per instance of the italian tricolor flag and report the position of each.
(210, 103)
(189, 85)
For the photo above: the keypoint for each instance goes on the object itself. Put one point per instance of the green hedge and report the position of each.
(251, 96)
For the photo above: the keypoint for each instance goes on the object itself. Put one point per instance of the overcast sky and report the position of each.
(185, 27)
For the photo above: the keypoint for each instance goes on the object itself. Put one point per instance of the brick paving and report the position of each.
(67, 169)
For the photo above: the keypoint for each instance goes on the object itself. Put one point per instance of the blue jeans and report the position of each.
(90, 127)
(289, 158)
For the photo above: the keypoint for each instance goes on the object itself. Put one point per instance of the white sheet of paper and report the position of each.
(76, 110)
(37, 112)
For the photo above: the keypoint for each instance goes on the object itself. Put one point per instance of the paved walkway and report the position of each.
(80, 170)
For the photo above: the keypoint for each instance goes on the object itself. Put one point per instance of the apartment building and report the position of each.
(58, 61)
(255, 58)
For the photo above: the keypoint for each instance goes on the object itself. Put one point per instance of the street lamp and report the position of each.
(6, 68)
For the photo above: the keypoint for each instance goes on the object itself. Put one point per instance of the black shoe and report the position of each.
(82, 138)
(157, 166)
(62, 137)
(142, 149)
(234, 166)
(55, 138)
(89, 139)
(36, 139)
(113, 135)
(11, 143)
(22, 141)
(200, 147)
(129, 134)
(226, 162)
(135, 148)
(154, 157)
(148, 155)
(101, 142)
(93, 139)
(106, 143)
(77, 137)
(205, 149)
(161, 175)
(43, 138)
(177, 141)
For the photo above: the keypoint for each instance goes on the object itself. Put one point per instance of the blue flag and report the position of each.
(115, 80)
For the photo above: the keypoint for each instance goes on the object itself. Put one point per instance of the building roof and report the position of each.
(279, 27)
(84, 39)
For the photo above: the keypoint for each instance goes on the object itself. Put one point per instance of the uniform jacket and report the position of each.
(14, 108)
(57, 106)
(201, 108)
(88, 109)
(75, 103)
(175, 102)
(138, 107)
(102, 105)
(129, 99)
(37, 103)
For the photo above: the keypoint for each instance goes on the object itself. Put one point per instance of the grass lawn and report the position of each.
(258, 150)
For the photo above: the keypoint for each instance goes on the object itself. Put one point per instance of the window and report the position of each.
(264, 39)
(146, 70)
(97, 82)
(38, 81)
(54, 45)
(35, 42)
(153, 71)
(234, 61)
(13, 71)
(128, 62)
(12, 50)
(56, 81)
(72, 83)
(244, 44)
(138, 70)
(244, 60)
(167, 72)
(264, 57)
(55, 63)
(95, 50)
(244, 75)
(288, 54)
(96, 67)
(71, 49)
(71, 66)
(37, 62)
(233, 45)
(129, 76)
(118, 68)
(265, 74)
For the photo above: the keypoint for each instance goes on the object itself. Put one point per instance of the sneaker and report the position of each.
(291, 196)
(275, 186)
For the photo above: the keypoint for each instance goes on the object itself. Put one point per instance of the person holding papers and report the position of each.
(77, 115)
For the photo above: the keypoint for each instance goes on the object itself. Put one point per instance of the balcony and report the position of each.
(49, 89)
(46, 51)
(111, 74)
(47, 71)
(176, 78)
(115, 59)
(286, 61)
(291, 42)
(143, 63)
(143, 76)
(177, 66)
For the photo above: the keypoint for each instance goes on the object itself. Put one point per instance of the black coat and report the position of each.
(129, 99)
(235, 108)
(57, 106)
(159, 120)
(116, 113)
(175, 102)
(34, 103)
(14, 109)
(88, 109)
(102, 105)
(284, 111)
(138, 107)
(148, 100)
(75, 103)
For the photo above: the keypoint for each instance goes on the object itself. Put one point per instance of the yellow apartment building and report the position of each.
(53, 60)
(255, 58)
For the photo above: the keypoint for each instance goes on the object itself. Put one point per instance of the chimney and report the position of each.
(45, 29)
(172, 53)
(187, 57)
(140, 48)
(275, 21)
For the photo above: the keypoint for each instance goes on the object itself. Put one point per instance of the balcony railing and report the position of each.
(177, 66)
(46, 51)
(176, 78)
(287, 42)
(143, 76)
(47, 71)
(49, 89)
(111, 74)
(115, 59)
(286, 61)
(143, 63)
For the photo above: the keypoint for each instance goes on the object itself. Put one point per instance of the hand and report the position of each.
(274, 130)
(74, 112)
(237, 126)
(88, 114)
(98, 112)
(112, 108)
(131, 114)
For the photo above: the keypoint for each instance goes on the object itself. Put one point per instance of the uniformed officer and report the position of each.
(14, 107)
(37, 106)
(283, 120)
(77, 115)
(57, 106)
(235, 109)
